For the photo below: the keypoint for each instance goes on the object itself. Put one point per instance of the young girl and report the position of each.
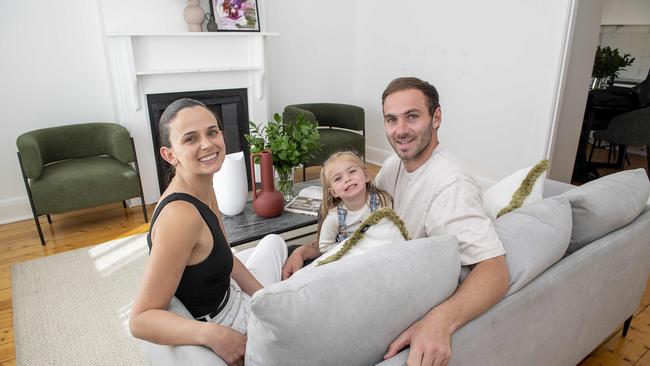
(349, 197)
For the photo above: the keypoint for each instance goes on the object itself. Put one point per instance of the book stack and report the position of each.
(307, 202)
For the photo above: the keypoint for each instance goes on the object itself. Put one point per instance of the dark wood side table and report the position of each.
(247, 226)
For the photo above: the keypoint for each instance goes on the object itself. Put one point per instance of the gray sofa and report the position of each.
(579, 262)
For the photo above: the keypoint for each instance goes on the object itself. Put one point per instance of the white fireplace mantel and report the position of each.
(149, 63)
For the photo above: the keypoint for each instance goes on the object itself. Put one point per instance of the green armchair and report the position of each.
(341, 127)
(78, 166)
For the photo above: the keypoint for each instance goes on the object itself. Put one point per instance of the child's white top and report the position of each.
(330, 227)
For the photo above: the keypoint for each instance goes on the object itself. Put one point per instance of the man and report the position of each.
(434, 196)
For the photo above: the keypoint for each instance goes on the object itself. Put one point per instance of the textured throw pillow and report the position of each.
(348, 312)
(380, 228)
(519, 188)
(534, 237)
(605, 204)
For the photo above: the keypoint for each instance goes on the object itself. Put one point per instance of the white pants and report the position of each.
(265, 262)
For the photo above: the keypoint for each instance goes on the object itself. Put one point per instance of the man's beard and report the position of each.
(421, 143)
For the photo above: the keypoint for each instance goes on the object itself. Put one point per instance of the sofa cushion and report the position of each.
(606, 204)
(500, 195)
(348, 312)
(85, 182)
(534, 238)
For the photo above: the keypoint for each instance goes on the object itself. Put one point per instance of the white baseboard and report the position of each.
(18, 209)
(376, 156)
(14, 209)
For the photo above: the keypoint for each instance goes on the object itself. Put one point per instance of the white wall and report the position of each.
(580, 59)
(495, 65)
(313, 59)
(53, 72)
(632, 39)
(626, 12)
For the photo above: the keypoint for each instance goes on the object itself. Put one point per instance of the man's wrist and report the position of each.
(437, 317)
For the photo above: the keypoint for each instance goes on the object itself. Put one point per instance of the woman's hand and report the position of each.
(226, 342)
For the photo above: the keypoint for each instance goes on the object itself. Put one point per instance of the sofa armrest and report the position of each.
(291, 114)
(397, 360)
(158, 354)
(554, 188)
(31, 158)
(117, 142)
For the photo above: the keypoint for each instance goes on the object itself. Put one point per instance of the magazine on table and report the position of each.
(307, 201)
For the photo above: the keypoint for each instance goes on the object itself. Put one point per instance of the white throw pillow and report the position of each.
(381, 233)
(500, 194)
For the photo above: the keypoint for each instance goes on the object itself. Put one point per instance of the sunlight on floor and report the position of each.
(123, 316)
(112, 256)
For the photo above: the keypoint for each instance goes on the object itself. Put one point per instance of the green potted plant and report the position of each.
(291, 144)
(607, 63)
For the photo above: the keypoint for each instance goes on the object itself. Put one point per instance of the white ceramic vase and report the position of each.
(230, 185)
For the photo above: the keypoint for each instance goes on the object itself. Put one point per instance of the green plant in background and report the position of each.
(291, 144)
(608, 62)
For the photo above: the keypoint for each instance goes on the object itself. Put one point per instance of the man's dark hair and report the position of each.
(429, 91)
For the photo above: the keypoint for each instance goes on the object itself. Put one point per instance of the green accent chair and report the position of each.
(79, 166)
(338, 125)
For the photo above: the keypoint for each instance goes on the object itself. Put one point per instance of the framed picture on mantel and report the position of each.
(235, 15)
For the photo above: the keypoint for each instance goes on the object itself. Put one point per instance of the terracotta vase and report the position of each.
(268, 202)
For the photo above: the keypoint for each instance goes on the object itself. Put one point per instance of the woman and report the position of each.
(189, 255)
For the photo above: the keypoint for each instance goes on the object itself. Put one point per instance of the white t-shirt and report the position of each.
(441, 198)
(330, 227)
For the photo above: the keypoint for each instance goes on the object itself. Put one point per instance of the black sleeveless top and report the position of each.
(203, 285)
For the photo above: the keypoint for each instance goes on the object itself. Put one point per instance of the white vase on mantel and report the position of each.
(230, 185)
(194, 15)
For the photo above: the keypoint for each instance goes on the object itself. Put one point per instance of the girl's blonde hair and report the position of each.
(329, 201)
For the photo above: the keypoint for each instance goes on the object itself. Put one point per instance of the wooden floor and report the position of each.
(19, 242)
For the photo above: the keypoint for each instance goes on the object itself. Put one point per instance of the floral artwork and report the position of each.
(236, 15)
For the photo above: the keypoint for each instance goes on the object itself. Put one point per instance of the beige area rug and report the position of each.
(73, 308)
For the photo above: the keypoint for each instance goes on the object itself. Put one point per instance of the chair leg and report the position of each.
(38, 228)
(591, 154)
(137, 171)
(626, 325)
(31, 200)
(303, 173)
(49, 219)
(647, 159)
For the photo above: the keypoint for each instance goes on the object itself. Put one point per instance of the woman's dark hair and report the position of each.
(169, 115)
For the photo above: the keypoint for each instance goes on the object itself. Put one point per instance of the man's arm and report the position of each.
(430, 337)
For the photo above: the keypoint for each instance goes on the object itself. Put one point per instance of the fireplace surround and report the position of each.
(180, 64)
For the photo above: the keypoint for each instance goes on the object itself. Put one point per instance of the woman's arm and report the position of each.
(175, 234)
(244, 278)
